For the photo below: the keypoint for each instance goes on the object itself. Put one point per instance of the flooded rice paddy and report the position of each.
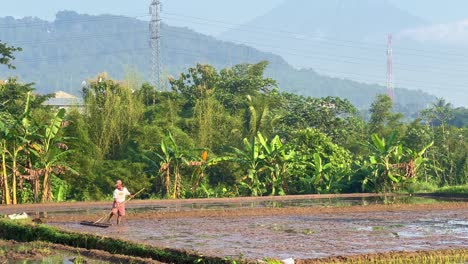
(300, 227)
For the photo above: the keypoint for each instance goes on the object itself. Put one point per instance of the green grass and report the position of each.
(420, 187)
(460, 190)
(423, 257)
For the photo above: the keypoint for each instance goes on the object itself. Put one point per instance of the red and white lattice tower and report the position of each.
(390, 90)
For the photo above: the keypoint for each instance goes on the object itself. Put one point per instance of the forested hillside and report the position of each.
(60, 55)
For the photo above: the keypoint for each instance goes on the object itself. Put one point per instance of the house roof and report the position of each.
(64, 99)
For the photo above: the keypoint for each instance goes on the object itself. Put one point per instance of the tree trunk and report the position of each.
(6, 188)
(45, 187)
(36, 188)
(13, 181)
(197, 182)
(176, 193)
(273, 184)
(167, 181)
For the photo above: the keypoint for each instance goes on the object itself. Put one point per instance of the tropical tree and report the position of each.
(6, 54)
(171, 158)
(236, 82)
(278, 161)
(20, 111)
(383, 120)
(256, 117)
(6, 197)
(440, 113)
(19, 138)
(51, 152)
(251, 158)
(322, 165)
(113, 111)
(448, 156)
(199, 179)
(391, 164)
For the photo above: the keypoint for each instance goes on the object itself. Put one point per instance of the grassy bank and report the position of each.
(457, 191)
(448, 256)
(25, 232)
(422, 188)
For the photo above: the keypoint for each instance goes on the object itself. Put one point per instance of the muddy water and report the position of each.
(298, 236)
(278, 234)
(90, 208)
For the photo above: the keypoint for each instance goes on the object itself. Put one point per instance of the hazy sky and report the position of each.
(436, 11)
(202, 15)
(198, 14)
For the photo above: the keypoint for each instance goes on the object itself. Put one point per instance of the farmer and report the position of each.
(118, 207)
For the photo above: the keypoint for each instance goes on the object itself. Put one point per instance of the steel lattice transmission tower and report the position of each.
(390, 90)
(155, 42)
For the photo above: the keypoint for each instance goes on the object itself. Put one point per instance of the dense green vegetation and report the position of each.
(218, 134)
(59, 55)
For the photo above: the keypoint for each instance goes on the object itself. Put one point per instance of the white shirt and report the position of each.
(119, 195)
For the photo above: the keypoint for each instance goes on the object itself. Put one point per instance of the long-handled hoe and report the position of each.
(104, 221)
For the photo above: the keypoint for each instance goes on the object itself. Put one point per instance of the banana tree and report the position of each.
(381, 175)
(256, 116)
(171, 157)
(278, 160)
(392, 165)
(6, 198)
(416, 161)
(321, 178)
(51, 152)
(251, 158)
(21, 138)
(14, 131)
(200, 164)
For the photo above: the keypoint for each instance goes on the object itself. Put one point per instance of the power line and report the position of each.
(373, 45)
(296, 54)
(317, 57)
(376, 79)
(305, 54)
(314, 43)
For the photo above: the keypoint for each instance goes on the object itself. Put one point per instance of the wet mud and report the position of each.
(24, 252)
(256, 228)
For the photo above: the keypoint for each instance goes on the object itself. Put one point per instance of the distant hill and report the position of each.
(350, 19)
(347, 38)
(59, 55)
